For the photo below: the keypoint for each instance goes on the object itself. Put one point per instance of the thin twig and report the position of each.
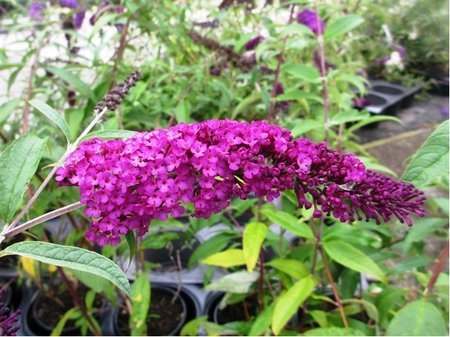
(78, 302)
(52, 172)
(41, 219)
(333, 286)
(280, 60)
(442, 262)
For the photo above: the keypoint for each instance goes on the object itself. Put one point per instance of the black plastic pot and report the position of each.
(161, 304)
(33, 314)
(241, 311)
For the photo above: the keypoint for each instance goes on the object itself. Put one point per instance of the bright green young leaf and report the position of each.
(334, 331)
(140, 303)
(321, 317)
(6, 109)
(182, 112)
(293, 268)
(110, 134)
(226, 259)
(288, 303)
(253, 238)
(53, 116)
(73, 80)
(18, 163)
(262, 322)
(373, 119)
(347, 255)
(342, 25)
(71, 257)
(289, 223)
(209, 247)
(419, 318)
(70, 314)
(236, 283)
(302, 71)
(431, 159)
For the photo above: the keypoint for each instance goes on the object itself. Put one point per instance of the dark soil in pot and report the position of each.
(166, 316)
(46, 311)
(175, 254)
(241, 311)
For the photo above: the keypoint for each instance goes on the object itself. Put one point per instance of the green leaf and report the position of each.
(253, 238)
(288, 302)
(18, 163)
(7, 108)
(71, 314)
(228, 258)
(289, 223)
(236, 283)
(342, 26)
(131, 240)
(53, 116)
(293, 268)
(305, 126)
(371, 309)
(140, 304)
(182, 112)
(419, 318)
(321, 317)
(212, 329)
(110, 134)
(422, 228)
(347, 255)
(349, 116)
(302, 71)
(431, 159)
(73, 80)
(209, 247)
(262, 322)
(71, 257)
(373, 119)
(333, 332)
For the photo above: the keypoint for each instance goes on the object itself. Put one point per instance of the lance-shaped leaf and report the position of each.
(71, 257)
(53, 116)
(227, 258)
(110, 134)
(18, 163)
(254, 235)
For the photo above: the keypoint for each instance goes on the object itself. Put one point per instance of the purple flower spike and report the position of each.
(69, 3)
(312, 20)
(78, 18)
(127, 183)
(360, 102)
(9, 323)
(35, 11)
(253, 42)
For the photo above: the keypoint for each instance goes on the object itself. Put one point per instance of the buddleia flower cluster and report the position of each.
(152, 175)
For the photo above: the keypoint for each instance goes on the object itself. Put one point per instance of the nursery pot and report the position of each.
(241, 311)
(175, 253)
(167, 314)
(45, 311)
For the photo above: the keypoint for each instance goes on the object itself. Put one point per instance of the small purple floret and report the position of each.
(69, 3)
(253, 42)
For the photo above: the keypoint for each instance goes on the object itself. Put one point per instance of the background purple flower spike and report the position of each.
(69, 3)
(253, 42)
(312, 20)
(35, 11)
